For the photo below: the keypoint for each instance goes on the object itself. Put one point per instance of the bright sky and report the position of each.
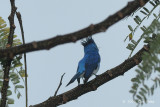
(43, 19)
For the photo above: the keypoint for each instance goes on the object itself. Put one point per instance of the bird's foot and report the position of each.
(95, 75)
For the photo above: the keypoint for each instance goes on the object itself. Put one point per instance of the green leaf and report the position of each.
(130, 28)
(134, 42)
(146, 87)
(15, 81)
(22, 73)
(138, 71)
(143, 12)
(136, 101)
(155, 59)
(14, 36)
(18, 95)
(152, 90)
(19, 86)
(135, 80)
(9, 92)
(136, 20)
(18, 65)
(146, 41)
(156, 2)
(146, 10)
(17, 42)
(135, 86)
(154, 15)
(130, 36)
(141, 76)
(10, 101)
(144, 97)
(140, 67)
(139, 97)
(132, 91)
(130, 46)
(143, 29)
(141, 93)
(152, 3)
(13, 75)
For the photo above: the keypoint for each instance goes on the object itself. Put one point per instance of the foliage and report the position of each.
(16, 70)
(149, 70)
(131, 46)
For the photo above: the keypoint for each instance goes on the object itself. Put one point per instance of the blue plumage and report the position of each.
(89, 64)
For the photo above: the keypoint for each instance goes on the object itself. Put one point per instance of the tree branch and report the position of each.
(95, 83)
(73, 37)
(9, 56)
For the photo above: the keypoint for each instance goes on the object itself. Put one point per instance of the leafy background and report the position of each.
(16, 70)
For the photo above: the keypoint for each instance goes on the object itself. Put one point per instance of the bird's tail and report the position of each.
(77, 75)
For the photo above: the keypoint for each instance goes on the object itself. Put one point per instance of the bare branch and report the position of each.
(18, 14)
(60, 83)
(73, 37)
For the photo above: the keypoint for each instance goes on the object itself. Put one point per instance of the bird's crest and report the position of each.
(87, 41)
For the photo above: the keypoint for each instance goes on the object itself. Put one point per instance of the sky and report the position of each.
(43, 19)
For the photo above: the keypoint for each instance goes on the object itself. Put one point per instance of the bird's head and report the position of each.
(89, 45)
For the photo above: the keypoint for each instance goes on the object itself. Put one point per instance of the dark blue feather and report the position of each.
(77, 75)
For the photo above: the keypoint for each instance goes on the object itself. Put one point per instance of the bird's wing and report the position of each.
(80, 72)
(92, 63)
(81, 66)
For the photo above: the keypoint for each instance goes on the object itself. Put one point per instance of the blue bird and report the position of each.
(89, 64)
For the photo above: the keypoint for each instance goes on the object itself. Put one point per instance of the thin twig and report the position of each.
(60, 83)
(18, 14)
(9, 56)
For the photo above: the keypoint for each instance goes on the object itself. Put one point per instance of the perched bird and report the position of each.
(89, 64)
